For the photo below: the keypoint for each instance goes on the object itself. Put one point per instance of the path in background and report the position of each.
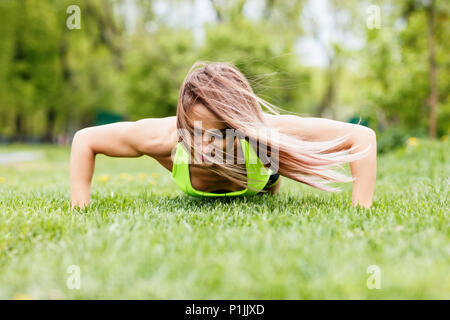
(20, 156)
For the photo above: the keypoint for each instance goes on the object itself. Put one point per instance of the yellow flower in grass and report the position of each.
(2, 180)
(412, 142)
(142, 176)
(103, 178)
(126, 176)
(155, 175)
(21, 296)
(152, 182)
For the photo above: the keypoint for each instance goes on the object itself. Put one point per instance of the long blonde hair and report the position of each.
(225, 91)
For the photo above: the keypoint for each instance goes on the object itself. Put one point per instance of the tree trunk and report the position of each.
(20, 127)
(326, 104)
(50, 125)
(217, 10)
(433, 97)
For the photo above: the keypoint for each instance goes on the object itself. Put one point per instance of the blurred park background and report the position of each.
(141, 237)
(324, 58)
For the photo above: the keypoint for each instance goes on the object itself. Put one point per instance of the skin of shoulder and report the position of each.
(319, 129)
(155, 137)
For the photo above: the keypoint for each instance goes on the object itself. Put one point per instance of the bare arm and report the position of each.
(152, 137)
(319, 129)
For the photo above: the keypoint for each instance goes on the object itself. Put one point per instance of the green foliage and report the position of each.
(54, 80)
(391, 139)
(156, 65)
(397, 80)
(267, 61)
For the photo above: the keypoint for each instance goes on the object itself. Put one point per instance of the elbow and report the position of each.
(84, 135)
(81, 134)
(78, 136)
(364, 137)
(370, 138)
(371, 133)
(81, 140)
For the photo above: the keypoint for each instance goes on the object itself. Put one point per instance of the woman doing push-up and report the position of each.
(226, 141)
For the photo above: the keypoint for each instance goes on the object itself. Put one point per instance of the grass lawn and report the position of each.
(142, 238)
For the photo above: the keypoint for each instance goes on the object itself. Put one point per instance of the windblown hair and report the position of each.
(225, 92)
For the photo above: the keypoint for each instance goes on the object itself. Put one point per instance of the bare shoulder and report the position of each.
(155, 137)
(289, 124)
(317, 129)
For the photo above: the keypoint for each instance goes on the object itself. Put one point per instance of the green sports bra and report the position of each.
(257, 174)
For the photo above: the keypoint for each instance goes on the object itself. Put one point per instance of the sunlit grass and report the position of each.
(142, 238)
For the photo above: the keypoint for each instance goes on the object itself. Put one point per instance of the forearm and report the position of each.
(364, 172)
(82, 163)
